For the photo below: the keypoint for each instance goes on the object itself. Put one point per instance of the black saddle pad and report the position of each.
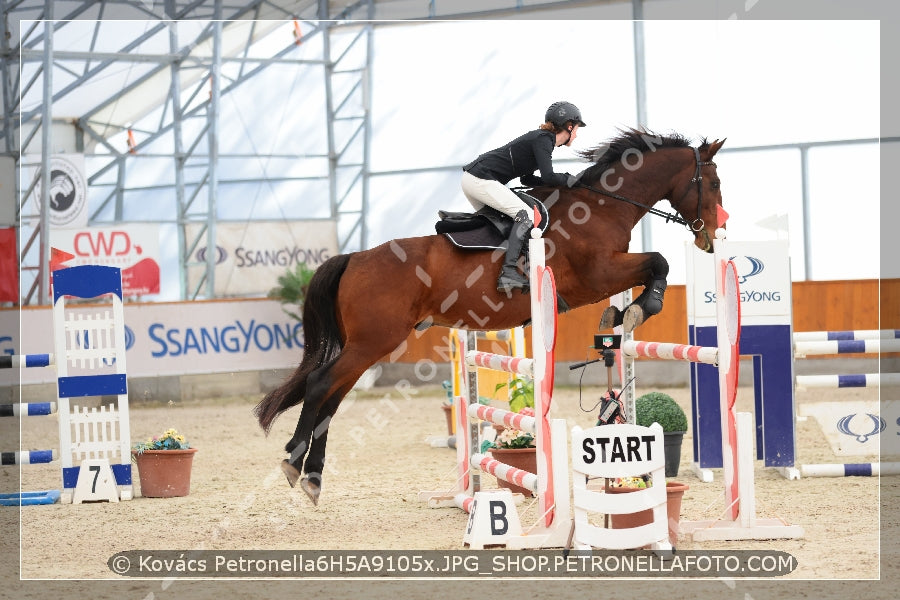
(486, 229)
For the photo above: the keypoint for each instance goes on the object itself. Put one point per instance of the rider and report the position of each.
(485, 178)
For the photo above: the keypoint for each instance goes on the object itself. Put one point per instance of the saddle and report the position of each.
(487, 228)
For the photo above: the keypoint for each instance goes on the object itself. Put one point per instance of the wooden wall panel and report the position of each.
(890, 304)
(829, 306)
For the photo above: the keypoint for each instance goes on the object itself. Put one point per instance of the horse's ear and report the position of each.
(713, 148)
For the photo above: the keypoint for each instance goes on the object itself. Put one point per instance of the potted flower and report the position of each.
(657, 407)
(674, 494)
(164, 465)
(521, 396)
(515, 448)
(521, 393)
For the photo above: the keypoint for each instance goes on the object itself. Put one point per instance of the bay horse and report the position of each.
(361, 306)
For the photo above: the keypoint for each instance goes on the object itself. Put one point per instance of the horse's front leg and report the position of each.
(652, 270)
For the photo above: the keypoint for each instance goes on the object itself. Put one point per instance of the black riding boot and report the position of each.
(510, 277)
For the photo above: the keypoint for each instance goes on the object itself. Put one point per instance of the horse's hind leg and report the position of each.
(311, 483)
(326, 389)
(299, 443)
(315, 460)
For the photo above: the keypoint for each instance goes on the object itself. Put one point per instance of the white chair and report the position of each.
(611, 451)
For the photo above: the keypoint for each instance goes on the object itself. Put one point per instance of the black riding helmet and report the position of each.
(560, 112)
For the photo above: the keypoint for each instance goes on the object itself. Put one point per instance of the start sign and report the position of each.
(618, 450)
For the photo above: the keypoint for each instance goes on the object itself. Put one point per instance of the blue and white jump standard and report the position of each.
(767, 336)
(89, 357)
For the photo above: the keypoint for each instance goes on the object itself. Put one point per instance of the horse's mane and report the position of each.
(609, 153)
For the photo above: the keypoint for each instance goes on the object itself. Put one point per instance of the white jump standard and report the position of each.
(550, 483)
(89, 357)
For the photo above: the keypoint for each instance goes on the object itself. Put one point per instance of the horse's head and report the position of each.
(628, 168)
(697, 195)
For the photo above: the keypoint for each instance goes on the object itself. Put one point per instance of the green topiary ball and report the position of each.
(660, 408)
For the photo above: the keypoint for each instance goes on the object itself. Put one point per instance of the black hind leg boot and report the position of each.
(510, 277)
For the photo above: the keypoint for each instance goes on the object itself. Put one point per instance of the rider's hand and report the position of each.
(530, 181)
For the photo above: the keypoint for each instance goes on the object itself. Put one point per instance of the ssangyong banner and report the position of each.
(764, 279)
(251, 256)
(134, 248)
(169, 339)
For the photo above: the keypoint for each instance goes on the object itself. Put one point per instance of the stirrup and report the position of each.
(507, 282)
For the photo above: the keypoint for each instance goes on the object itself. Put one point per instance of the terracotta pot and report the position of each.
(164, 473)
(674, 493)
(520, 458)
(448, 413)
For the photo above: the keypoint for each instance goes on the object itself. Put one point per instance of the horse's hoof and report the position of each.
(290, 472)
(634, 316)
(609, 317)
(312, 490)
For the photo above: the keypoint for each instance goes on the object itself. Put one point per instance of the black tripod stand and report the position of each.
(611, 408)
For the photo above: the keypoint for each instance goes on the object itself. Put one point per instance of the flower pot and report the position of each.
(674, 493)
(672, 448)
(164, 473)
(520, 458)
(448, 413)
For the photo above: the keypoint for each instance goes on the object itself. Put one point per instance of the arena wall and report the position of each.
(203, 371)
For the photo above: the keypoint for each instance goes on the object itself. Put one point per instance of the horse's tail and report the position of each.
(322, 339)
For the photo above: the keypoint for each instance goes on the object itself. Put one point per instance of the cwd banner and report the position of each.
(251, 256)
(134, 248)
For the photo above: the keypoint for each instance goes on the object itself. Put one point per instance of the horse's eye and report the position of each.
(715, 184)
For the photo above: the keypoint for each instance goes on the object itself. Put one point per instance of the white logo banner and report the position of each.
(68, 189)
(764, 278)
(251, 256)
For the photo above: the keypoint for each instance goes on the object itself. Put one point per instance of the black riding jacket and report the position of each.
(520, 158)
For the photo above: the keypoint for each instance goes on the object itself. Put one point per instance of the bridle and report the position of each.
(695, 225)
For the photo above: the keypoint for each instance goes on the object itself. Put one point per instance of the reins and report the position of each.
(695, 225)
(652, 210)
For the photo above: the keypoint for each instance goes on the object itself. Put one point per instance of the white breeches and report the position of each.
(492, 193)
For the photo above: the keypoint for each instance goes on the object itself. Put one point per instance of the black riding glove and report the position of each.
(531, 180)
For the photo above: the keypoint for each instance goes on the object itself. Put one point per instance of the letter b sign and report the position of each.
(493, 519)
(499, 523)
